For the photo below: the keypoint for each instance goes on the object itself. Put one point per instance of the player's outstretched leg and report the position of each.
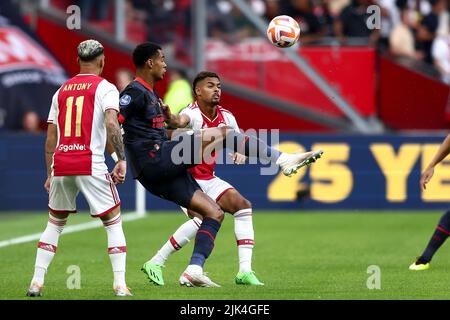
(153, 267)
(46, 251)
(117, 250)
(194, 276)
(253, 147)
(439, 236)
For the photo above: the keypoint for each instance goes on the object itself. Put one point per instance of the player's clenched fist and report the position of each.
(119, 172)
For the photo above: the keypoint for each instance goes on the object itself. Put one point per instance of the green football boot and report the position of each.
(248, 278)
(154, 272)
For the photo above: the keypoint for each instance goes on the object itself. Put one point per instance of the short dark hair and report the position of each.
(143, 52)
(203, 75)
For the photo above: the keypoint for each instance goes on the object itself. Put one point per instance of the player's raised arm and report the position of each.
(50, 146)
(440, 155)
(174, 120)
(115, 140)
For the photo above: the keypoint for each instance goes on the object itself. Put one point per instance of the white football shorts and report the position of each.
(98, 190)
(215, 188)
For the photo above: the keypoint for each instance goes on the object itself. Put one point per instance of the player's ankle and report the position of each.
(156, 260)
(193, 268)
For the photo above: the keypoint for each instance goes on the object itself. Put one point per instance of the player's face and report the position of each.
(159, 66)
(209, 91)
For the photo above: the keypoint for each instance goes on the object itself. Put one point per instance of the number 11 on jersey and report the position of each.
(79, 111)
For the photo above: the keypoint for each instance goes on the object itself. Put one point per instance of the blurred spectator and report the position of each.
(322, 11)
(179, 92)
(137, 10)
(182, 41)
(220, 23)
(426, 31)
(401, 39)
(302, 11)
(160, 21)
(352, 22)
(390, 18)
(336, 6)
(31, 122)
(123, 78)
(100, 8)
(444, 20)
(440, 52)
(241, 27)
(272, 9)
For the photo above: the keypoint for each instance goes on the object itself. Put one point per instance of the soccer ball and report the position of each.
(283, 31)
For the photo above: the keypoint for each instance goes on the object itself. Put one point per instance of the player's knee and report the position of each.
(217, 214)
(241, 204)
(245, 204)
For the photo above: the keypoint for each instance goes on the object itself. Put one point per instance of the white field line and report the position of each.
(69, 229)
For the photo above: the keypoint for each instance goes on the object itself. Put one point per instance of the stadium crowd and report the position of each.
(416, 30)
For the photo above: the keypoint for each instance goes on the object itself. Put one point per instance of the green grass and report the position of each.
(304, 255)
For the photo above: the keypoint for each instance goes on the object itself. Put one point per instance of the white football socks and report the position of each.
(179, 239)
(243, 229)
(47, 247)
(117, 249)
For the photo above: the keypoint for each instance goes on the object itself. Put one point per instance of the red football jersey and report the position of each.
(78, 109)
(205, 171)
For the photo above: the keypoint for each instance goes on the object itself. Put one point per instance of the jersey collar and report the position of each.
(145, 84)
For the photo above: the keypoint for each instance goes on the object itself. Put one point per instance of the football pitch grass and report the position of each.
(299, 255)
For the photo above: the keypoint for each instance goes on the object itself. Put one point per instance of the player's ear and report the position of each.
(102, 62)
(150, 63)
(197, 91)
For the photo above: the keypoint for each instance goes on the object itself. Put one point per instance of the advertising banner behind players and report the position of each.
(355, 172)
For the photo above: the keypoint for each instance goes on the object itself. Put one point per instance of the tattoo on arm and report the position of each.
(114, 134)
(117, 142)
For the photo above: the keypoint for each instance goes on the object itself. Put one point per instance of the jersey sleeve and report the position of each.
(53, 109)
(232, 122)
(189, 112)
(108, 96)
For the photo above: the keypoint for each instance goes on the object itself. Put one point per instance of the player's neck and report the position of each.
(208, 110)
(87, 70)
(146, 77)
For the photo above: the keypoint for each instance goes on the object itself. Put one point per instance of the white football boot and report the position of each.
(122, 291)
(291, 162)
(197, 280)
(35, 290)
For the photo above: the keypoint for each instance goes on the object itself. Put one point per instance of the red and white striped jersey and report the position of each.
(205, 171)
(78, 110)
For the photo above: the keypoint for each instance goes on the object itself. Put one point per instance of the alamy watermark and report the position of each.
(206, 146)
(73, 21)
(74, 279)
(374, 280)
(374, 20)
